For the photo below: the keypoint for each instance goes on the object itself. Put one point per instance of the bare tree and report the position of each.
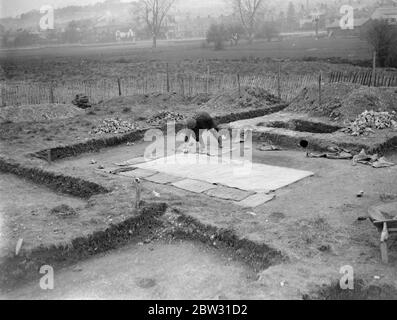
(382, 37)
(154, 12)
(248, 12)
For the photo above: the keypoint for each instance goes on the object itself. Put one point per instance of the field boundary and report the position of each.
(284, 86)
(379, 79)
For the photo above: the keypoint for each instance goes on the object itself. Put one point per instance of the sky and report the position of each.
(15, 7)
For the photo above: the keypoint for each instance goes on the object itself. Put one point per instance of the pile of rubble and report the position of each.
(164, 117)
(114, 126)
(366, 122)
(82, 101)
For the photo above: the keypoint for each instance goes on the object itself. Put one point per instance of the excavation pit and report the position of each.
(302, 126)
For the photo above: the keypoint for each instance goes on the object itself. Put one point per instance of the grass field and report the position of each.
(106, 61)
(352, 48)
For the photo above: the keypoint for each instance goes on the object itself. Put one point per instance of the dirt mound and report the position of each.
(41, 112)
(200, 99)
(153, 99)
(344, 101)
(248, 97)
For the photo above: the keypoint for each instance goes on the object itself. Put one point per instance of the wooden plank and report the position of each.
(384, 252)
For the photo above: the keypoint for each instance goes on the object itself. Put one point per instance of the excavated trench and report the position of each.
(154, 223)
(95, 145)
(302, 126)
(16, 270)
(151, 222)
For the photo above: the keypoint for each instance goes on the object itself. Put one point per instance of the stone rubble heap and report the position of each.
(114, 126)
(164, 117)
(366, 122)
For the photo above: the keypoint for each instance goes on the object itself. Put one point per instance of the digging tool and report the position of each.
(49, 158)
(384, 217)
(138, 188)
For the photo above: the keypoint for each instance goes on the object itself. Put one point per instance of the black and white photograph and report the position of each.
(210, 152)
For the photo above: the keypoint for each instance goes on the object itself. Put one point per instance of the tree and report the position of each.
(217, 34)
(248, 12)
(153, 13)
(268, 30)
(23, 38)
(291, 16)
(382, 37)
(72, 32)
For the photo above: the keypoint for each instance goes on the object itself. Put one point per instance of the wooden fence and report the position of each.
(189, 85)
(379, 79)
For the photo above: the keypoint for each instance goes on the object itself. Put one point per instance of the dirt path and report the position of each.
(180, 270)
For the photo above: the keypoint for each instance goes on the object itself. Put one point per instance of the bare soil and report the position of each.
(318, 224)
(319, 235)
(20, 138)
(26, 213)
(157, 270)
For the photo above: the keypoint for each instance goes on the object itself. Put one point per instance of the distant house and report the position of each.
(387, 13)
(111, 30)
(192, 27)
(334, 29)
(306, 23)
(309, 21)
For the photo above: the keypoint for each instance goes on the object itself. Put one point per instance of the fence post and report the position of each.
(168, 79)
(3, 98)
(373, 69)
(52, 99)
(208, 80)
(119, 86)
(279, 81)
(49, 156)
(320, 79)
(239, 84)
(182, 86)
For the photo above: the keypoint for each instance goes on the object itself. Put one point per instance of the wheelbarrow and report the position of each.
(384, 218)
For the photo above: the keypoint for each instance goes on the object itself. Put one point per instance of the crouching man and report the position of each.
(200, 123)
